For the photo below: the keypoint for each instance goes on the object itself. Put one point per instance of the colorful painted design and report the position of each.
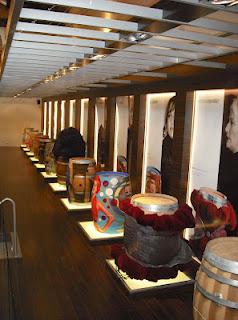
(109, 188)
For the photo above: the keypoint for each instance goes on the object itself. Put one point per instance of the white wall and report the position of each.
(15, 115)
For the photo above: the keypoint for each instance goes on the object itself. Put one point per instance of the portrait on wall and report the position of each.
(228, 169)
(168, 133)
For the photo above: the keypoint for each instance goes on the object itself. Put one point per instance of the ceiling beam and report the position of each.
(14, 13)
(35, 14)
(109, 6)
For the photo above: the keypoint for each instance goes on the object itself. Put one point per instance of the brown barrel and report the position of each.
(216, 288)
(81, 178)
(61, 171)
(41, 153)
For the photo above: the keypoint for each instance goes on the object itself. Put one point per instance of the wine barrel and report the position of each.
(216, 287)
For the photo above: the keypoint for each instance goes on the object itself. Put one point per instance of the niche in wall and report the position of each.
(123, 120)
(99, 131)
(45, 119)
(50, 119)
(72, 113)
(84, 119)
(159, 109)
(55, 119)
(62, 114)
(206, 140)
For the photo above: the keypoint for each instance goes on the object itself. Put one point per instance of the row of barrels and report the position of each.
(216, 286)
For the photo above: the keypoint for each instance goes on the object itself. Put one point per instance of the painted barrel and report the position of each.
(49, 159)
(154, 203)
(214, 196)
(109, 188)
(29, 138)
(81, 177)
(143, 243)
(61, 171)
(216, 288)
(25, 136)
(34, 144)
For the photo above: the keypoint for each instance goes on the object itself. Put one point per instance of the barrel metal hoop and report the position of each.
(216, 299)
(221, 263)
(219, 278)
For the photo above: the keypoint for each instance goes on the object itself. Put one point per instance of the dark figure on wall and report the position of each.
(168, 132)
(228, 171)
(69, 144)
(102, 152)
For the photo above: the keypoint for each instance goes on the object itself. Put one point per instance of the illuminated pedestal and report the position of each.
(48, 176)
(137, 286)
(23, 145)
(26, 149)
(39, 166)
(33, 159)
(94, 235)
(57, 187)
(30, 154)
(75, 206)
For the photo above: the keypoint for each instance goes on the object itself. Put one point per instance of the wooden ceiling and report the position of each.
(60, 46)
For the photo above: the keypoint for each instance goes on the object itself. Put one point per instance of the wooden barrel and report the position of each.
(81, 177)
(61, 171)
(41, 153)
(216, 288)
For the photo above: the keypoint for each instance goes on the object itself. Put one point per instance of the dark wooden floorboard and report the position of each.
(62, 276)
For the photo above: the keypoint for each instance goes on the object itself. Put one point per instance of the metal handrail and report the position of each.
(14, 244)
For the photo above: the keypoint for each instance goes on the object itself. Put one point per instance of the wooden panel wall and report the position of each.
(137, 136)
(59, 117)
(181, 144)
(77, 113)
(91, 126)
(67, 113)
(42, 116)
(110, 131)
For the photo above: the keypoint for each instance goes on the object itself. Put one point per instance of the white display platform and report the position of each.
(30, 154)
(75, 206)
(33, 159)
(136, 286)
(39, 165)
(23, 145)
(94, 235)
(26, 149)
(48, 176)
(57, 187)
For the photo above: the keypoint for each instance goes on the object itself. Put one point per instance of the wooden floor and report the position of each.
(61, 275)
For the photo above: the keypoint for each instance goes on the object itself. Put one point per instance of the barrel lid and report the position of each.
(214, 196)
(81, 160)
(155, 202)
(223, 253)
(112, 173)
